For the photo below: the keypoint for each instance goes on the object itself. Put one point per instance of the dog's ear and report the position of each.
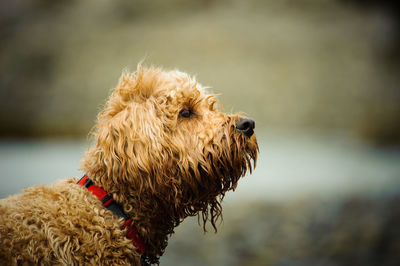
(138, 86)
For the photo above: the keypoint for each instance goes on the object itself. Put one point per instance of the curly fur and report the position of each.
(160, 166)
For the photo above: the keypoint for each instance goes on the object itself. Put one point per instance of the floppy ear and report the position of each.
(122, 142)
(121, 153)
(117, 144)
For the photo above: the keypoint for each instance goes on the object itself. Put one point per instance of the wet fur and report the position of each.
(160, 166)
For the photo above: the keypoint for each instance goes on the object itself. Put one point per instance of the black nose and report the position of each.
(246, 126)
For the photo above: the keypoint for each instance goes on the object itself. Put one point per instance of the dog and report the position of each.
(162, 151)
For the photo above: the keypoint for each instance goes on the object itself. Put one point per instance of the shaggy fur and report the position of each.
(160, 165)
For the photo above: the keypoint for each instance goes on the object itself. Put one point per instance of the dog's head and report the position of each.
(162, 136)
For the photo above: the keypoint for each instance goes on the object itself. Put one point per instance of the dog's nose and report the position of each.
(246, 126)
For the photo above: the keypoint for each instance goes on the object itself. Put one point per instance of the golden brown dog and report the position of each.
(162, 151)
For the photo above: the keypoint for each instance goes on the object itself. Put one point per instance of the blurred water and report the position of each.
(298, 166)
(289, 166)
(27, 163)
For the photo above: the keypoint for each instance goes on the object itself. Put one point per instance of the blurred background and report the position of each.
(320, 78)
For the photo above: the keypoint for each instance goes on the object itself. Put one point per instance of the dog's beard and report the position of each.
(232, 155)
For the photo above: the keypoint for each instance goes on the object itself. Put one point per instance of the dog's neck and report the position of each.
(152, 218)
(156, 207)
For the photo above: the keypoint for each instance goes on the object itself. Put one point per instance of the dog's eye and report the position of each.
(186, 113)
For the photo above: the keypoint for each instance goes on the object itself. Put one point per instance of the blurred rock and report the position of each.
(353, 231)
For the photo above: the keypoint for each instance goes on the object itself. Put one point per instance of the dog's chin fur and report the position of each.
(221, 172)
(161, 166)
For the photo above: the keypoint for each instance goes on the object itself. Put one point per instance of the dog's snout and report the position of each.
(246, 126)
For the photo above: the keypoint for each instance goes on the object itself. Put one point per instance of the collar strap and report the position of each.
(108, 202)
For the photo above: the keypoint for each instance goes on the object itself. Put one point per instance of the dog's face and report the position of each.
(161, 133)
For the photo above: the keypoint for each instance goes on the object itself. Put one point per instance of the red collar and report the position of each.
(108, 202)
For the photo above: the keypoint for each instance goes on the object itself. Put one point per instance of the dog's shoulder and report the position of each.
(61, 222)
